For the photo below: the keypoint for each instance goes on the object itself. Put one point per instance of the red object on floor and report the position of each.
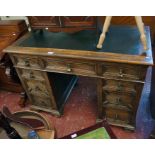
(80, 110)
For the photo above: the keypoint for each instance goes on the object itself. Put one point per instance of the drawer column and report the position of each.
(38, 89)
(120, 100)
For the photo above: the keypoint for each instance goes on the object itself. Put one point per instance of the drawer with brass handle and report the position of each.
(31, 74)
(29, 61)
(36, 88)
(120, 86)
(71, 66)
(42, 102)
(123, 71)
(118, 100)
(118, 116)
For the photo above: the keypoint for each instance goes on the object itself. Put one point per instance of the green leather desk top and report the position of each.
(119, 39)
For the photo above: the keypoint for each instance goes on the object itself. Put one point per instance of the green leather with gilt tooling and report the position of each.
(119, 39)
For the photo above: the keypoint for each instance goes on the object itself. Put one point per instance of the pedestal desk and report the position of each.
(48, 65)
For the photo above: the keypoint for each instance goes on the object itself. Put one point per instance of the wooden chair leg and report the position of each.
(105, 29)
(140, 26)
(23, 98)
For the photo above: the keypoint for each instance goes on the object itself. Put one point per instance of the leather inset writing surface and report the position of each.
(120, 39)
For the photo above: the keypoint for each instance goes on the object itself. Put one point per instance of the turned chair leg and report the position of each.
(105, 29)
(140, 26)
(23, 98)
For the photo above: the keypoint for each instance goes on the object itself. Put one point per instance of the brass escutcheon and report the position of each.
(121, 73)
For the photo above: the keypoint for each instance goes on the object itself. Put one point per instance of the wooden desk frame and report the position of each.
(91, 64)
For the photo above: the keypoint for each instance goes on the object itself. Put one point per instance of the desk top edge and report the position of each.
(87, 55)
(82, 54)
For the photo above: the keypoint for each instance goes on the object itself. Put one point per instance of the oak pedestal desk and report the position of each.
(48, 65)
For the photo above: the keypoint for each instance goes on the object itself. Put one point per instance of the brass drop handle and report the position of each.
(69, 69)
(27, 62)
(121, 73)
(37, 88)
(43, 102)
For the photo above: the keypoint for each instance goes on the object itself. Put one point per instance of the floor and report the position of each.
(80, 111)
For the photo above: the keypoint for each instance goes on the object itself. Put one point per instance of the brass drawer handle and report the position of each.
(27, 62)
(37, 88)
(43, 102)
(121, 73)
(69, 69)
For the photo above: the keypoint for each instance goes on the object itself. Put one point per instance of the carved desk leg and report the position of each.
(140, 26)
(105, 29)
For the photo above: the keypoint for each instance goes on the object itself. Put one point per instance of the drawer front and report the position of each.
(42, 102)
(119, 86)
(37, 88)
(69, 66)
(28, 61)
(116, 115)
(31, 74)
(123, 71)
(119, 100)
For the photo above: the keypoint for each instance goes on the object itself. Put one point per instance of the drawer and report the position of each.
(28, 61)
(120, 86)
(119, 100)
(71, 66)
(42, 102)
(116, 115)
(123, 71)
(36, 88)
(31, 74)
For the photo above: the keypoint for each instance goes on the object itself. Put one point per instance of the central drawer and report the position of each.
(71, 66)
